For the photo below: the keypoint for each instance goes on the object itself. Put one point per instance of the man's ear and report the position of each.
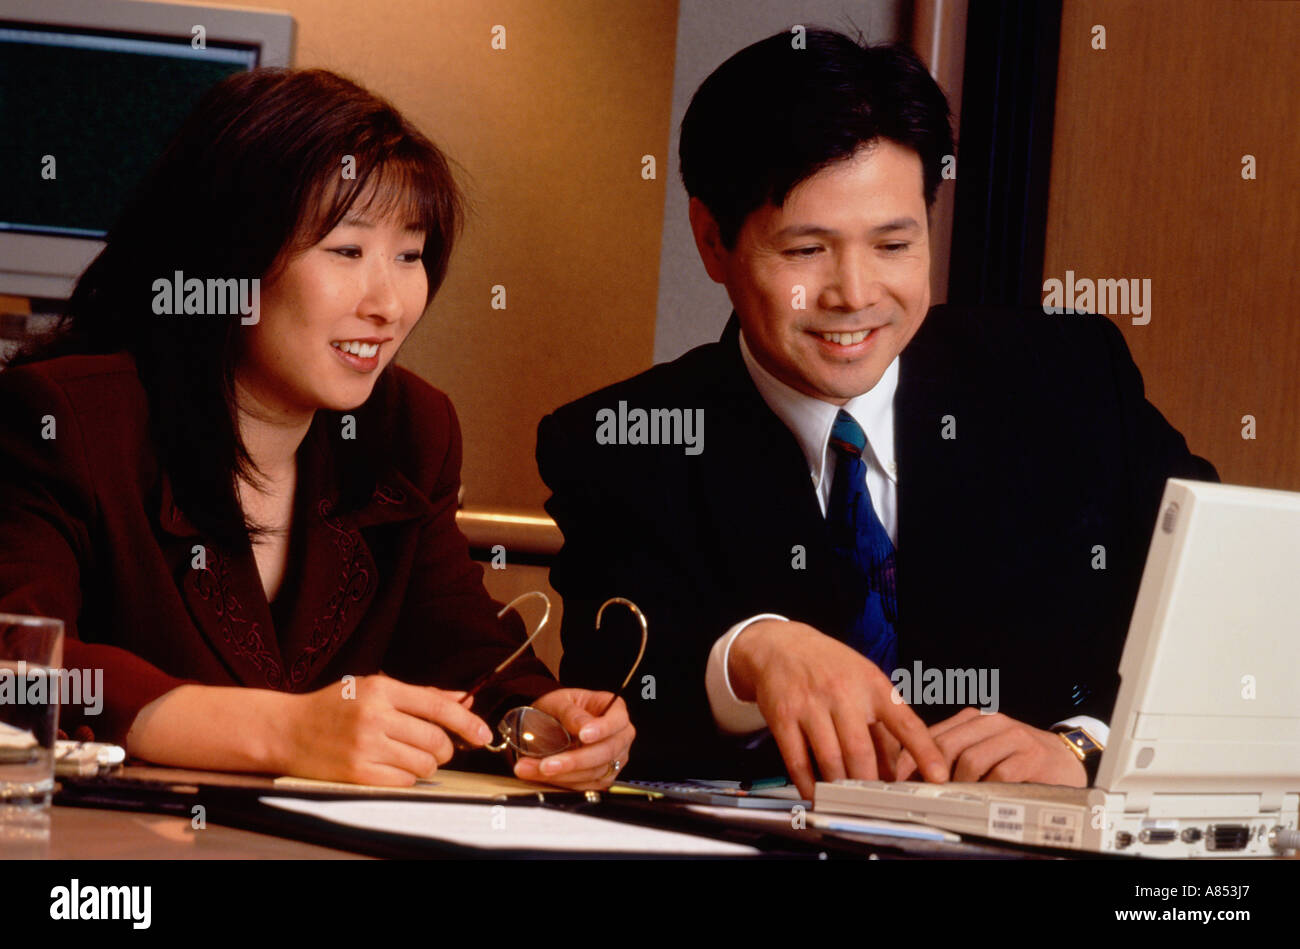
(708, 240)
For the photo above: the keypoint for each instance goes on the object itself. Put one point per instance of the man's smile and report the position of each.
(842, 343)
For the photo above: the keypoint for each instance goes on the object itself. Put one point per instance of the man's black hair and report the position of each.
(775, 114)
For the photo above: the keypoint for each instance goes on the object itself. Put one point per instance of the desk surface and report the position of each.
(92, 833)
(143, 812)
(84, 833)
(148, 816)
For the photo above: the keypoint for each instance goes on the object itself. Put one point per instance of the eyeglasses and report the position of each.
(529, 731)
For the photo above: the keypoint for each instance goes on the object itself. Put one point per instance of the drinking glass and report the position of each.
(31, 656)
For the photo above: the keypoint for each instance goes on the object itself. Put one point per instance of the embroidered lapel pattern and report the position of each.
(241, 635)
(354, 585)
(224, 606)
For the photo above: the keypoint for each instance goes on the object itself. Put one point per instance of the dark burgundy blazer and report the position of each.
(89, 533)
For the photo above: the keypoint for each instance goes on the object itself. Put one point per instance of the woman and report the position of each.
(241, 510)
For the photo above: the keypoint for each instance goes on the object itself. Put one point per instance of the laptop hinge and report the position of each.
(1141, 801)
(1137, 801)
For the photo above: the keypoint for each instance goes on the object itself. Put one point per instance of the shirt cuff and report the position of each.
(1099, 730)
(732, 716)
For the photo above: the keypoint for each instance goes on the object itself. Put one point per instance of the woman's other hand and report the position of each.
(604, 741)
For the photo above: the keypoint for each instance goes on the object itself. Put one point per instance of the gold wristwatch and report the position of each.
(1086, 748)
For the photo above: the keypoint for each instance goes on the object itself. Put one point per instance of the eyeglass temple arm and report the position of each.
(636, 610)
(489, 676)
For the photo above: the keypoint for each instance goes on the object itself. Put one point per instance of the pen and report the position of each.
(635, 792)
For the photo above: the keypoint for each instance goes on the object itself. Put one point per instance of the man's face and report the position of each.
(854, 237)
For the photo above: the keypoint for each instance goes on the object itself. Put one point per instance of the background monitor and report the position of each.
(90, 92)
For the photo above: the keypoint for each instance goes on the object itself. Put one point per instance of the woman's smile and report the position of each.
(359, 291)
(361, 355)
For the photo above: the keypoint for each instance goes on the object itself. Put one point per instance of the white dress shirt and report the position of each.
(810, 421)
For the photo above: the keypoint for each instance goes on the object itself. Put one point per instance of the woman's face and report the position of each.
(334, 317)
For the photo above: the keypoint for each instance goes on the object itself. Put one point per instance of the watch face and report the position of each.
(1083, 741)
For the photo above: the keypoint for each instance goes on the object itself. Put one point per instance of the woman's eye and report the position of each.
(352, 252)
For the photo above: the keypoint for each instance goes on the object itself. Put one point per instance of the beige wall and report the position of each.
(549, 135)
(1146, 182)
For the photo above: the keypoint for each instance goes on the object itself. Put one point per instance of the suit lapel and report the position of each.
(339, 575)
(332, 582)
(223, 593)
(772, 528)
(939, 531)
(923, 397)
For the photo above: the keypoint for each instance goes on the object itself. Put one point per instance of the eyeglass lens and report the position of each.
(534, 733)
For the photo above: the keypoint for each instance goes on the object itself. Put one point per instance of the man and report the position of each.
(959, 502)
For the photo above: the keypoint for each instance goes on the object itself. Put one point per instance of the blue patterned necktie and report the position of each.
(859, 538)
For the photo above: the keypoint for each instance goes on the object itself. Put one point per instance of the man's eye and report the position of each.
(803, 251)
(897, 247)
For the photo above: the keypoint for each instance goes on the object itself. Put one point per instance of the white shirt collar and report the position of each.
(810, 420)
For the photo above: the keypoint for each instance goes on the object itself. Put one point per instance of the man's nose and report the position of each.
(855, 284)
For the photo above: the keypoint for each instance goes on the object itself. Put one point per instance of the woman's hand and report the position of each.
(375, 730)
(605, 741)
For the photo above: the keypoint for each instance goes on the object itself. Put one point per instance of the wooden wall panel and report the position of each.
(939, 38)
(1147, 183)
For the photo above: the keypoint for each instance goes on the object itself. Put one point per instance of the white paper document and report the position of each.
(504, 827)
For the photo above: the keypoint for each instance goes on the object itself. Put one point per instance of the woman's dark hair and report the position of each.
(269, 162)
(779, 111)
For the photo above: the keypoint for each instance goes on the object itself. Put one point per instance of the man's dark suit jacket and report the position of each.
(1057, 453)
(90, 533)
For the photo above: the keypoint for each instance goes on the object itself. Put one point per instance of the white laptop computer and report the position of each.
(1204, 751)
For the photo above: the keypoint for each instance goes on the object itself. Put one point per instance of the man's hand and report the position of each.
(980, 747)
(605, 740)
(375, 730)
(815, 692)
